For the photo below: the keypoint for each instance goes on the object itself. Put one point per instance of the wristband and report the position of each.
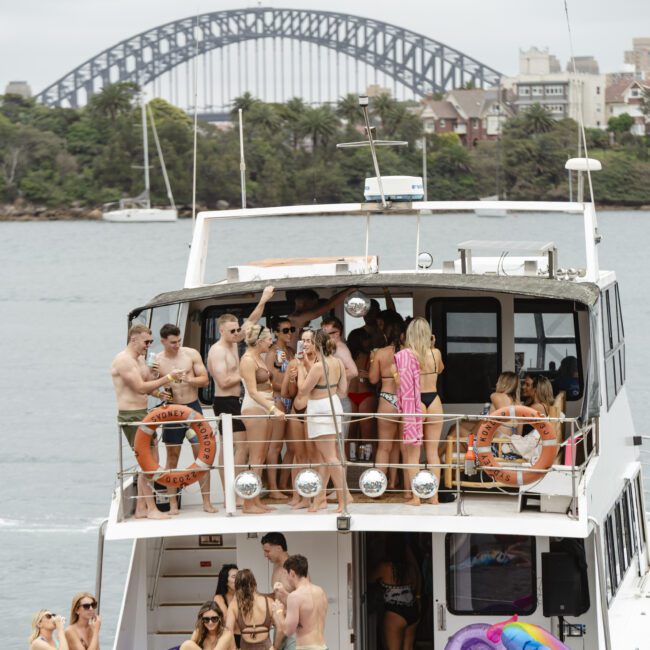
(170, 378)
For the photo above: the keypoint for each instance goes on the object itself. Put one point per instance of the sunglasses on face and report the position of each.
(235, 331)
(286, 330)
(210, 619)
(49, 616)
(148, 342)
(88, 605)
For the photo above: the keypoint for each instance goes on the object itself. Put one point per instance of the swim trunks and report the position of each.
(232, 405)
(124, 418)
(174, 434)
(289, 643)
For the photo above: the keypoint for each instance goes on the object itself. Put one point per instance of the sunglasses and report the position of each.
(210, 619)
(92, 605)
(148, 342)
(286, 330)
(235, 331)
(49, 616)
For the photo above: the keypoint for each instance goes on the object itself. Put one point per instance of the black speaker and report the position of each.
(565, 589)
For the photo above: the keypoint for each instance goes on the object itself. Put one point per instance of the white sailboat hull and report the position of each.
(141, 215)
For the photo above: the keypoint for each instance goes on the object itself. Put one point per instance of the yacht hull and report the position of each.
(141, 215)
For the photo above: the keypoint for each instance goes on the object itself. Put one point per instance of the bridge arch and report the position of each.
(418, 62)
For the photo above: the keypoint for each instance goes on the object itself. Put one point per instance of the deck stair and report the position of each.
(187, 577)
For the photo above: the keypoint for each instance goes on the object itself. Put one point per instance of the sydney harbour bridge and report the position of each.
(275, 54)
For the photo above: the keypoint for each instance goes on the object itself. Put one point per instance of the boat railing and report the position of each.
(575, 451)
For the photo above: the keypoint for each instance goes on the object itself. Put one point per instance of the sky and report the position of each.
(42, 40)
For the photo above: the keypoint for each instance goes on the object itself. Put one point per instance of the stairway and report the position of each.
(187, 578)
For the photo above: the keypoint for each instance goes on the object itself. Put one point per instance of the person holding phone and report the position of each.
(85, 622)
(45, 625)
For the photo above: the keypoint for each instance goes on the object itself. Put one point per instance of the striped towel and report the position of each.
(408, 395)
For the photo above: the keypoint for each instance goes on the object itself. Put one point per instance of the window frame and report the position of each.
(614, 361)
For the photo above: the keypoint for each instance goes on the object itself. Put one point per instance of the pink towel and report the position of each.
(408, 395)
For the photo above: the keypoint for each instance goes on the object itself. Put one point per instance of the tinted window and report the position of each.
(468, 335)
(490, 574)
(613, 342)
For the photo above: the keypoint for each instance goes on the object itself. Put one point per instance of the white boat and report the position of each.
(138, 209)
(567, 552)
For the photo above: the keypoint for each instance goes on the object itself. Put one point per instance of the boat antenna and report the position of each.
(372, 143)
(581, 121)
(242, 161)
(196, 118)
(145, 147)
(170, 196)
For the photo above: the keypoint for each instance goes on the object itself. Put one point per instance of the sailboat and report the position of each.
(138, 209)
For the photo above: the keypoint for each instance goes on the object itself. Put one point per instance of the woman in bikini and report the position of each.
(83, 631)
(362, 396)
(321, 382)
(210, 632)
(251, 612)
(225, 592)
(258, 400)
(44, 626)
(420, 343)
(381, 363)
(277, 366)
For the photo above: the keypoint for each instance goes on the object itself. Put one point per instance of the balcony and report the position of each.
(469, 497)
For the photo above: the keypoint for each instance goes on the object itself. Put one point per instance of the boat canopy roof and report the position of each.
(585, 293)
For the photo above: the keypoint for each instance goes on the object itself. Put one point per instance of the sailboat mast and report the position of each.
(145, 147)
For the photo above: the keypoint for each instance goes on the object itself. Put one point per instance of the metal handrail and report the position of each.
(100, 562)
(154, 589)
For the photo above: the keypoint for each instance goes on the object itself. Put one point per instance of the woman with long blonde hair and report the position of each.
(210, 632)
(251, 612)
(420, 346)
(44, 626)
(85, 623)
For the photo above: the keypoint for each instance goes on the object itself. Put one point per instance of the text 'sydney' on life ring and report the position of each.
(143, 448)
(516, 476)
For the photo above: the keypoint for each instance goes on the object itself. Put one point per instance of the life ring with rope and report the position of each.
(143, 449)
(513, 476)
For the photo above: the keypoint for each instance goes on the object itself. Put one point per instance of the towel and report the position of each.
(408, 395)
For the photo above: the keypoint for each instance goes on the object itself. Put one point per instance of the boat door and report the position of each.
(480, 579)
(402, 604)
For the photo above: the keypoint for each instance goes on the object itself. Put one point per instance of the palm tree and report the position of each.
(319, 123)
(245, 102)
(292, 113)
(382, 106)
(114, 99)
(537, 119)
(347, 108)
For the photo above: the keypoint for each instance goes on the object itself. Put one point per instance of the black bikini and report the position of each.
(428, 398)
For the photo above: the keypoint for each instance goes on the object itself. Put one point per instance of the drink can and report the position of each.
(278, 356)
(353, 451)
(487, 407)
(151, 358)
(300, 348)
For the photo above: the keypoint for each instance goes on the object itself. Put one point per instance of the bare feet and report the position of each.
(154, 513)
(300, 505)
(253, 509)
(173, 508)
(321, 504)
(277, 495)
(350, 499)
(208, 507)
(413, 501)
(433, 501)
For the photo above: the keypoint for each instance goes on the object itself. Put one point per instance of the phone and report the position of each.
(300, 349)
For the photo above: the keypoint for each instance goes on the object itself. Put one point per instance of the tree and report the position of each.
(537, 120)
(348, 109)
(114, 100)
(319, 124)
(620, 124)
(382, 106)
(644, 105)
(245, 102)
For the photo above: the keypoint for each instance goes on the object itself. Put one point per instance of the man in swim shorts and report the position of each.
(185, 392)
(223, 364)
(133, 381)
(306, 607)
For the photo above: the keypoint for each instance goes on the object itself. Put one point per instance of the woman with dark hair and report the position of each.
(83, 631)
(363, 398)
(258, 400)
(209, 631)
(399, 578)
(381, 363)
(321, 382)
(225, 591)
(251, 613)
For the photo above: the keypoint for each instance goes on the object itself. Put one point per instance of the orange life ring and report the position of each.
(512, 476)
(143, 449)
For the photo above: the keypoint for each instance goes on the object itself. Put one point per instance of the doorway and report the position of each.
(394, 591)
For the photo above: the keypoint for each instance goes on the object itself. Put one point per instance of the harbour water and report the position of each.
(65, 290)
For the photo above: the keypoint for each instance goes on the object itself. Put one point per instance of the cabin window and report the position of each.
(610, 553)
(546, 343)
(161, 316)
(490, 574)
(468, 333)
(613, 342)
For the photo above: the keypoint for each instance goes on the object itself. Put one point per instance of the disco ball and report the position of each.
(308, 483)
(248, 485)
(357, 304)
(373, 482)
(424, 484)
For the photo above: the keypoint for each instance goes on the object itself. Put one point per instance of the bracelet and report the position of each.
(170, 378)
(272, 408)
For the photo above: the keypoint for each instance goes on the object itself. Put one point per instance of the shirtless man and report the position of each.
(223, 364)
(133, 381)
(185, 392)
(274, 547)
(306, 607)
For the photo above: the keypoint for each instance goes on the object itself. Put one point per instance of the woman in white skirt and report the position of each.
(320, 375)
